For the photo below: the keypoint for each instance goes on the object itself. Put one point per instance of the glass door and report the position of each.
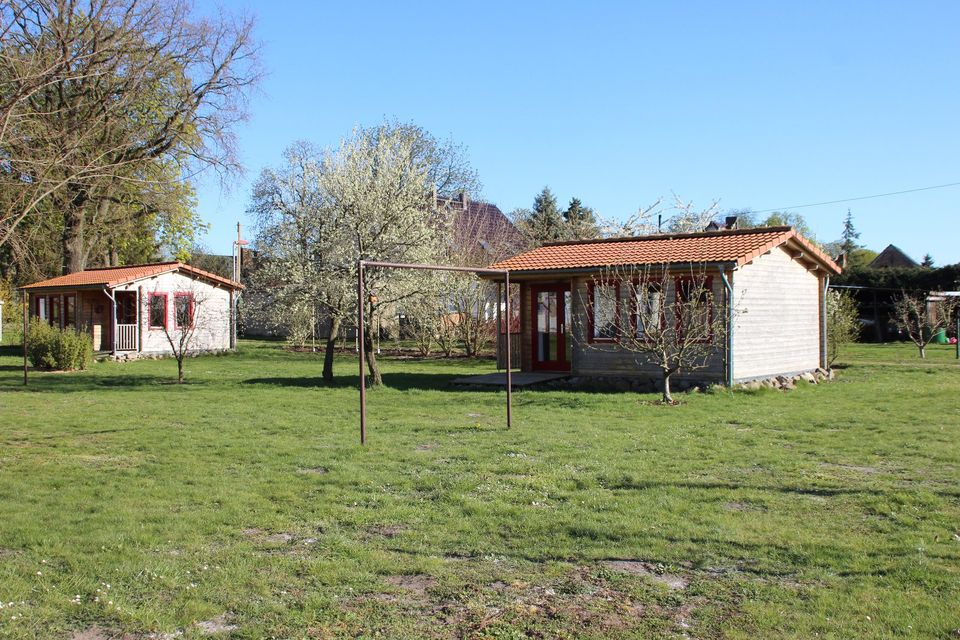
(552, 344)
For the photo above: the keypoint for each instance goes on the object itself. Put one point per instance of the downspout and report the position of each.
(729, 288)
(823, 323)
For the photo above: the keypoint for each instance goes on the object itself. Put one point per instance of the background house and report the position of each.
(891, 258)
(777, 280)
(132, 310)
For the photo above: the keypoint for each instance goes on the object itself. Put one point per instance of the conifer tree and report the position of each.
(849, 235)
(581, 221)
(544, 223)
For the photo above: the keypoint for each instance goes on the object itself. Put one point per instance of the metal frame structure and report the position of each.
(361, 328)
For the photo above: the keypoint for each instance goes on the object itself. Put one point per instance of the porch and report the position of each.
(110, 318)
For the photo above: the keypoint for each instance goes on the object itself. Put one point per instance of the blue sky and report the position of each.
(759, 104)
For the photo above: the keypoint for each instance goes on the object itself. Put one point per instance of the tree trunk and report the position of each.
(372, 366)
(667, 398)
(180, 370)
(73, 239)
(923, 352)
(331, 347)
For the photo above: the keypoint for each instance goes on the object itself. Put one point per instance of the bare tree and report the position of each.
(682, 216)
(144, 82)
(194, 316)
(921, 317)
(666, 318)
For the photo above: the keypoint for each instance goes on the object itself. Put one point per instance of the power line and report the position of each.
(876, 195)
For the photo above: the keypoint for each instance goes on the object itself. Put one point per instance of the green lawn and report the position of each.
(241, 503)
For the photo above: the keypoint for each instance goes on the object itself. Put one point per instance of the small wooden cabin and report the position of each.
(772, 278)
(132, 310)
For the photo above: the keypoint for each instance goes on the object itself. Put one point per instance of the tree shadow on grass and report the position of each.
(398, 381)
(823, 492)
(74, 382)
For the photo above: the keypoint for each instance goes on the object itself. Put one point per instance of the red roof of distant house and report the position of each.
(484, 220)
(110, 277)
(738, 246)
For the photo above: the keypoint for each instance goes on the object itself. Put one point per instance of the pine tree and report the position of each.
(849, 235)
(544, 223)
(581, 221)
(927, 261)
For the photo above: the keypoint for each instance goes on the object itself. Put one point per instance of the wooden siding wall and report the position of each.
(213, 312)
(610, 360)
(777, 317)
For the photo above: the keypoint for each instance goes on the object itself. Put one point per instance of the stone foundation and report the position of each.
(127, 356)
(787, 382)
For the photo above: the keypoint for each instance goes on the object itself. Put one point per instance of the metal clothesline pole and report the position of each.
(361, 333)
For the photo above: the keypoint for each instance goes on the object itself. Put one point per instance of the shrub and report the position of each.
(58, 349)
(843, 323)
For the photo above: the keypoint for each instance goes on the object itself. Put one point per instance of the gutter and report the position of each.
(729, 287)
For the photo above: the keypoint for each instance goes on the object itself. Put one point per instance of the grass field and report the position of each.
(240, 504)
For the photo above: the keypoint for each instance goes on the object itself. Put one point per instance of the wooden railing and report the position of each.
(126, 337)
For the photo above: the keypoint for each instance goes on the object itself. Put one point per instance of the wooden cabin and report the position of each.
(771, 281)
(133, 310)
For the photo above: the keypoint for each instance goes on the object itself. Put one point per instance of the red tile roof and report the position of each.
(737, 246)
(110, 277)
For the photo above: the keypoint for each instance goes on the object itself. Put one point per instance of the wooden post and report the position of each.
(113, 322)
(499, 323)
(26, 327)
(362, 344)
(506, 278)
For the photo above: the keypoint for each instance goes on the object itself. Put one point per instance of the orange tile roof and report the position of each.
(737, 246)
(110, 277)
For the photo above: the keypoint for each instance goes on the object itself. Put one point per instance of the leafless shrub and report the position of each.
(668, 318)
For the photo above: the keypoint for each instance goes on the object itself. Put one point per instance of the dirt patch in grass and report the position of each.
(649, 570)
(98, 633)
(386, 530)
(417, 583)
(426, 446)
(852, 467)
(216, 626)
(317, 471)
(278, 538)
(272, 538)
(743, 506)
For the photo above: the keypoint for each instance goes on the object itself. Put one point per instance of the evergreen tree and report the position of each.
(544, 223)
(927, 261)
(581, 221)
(849, 235)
